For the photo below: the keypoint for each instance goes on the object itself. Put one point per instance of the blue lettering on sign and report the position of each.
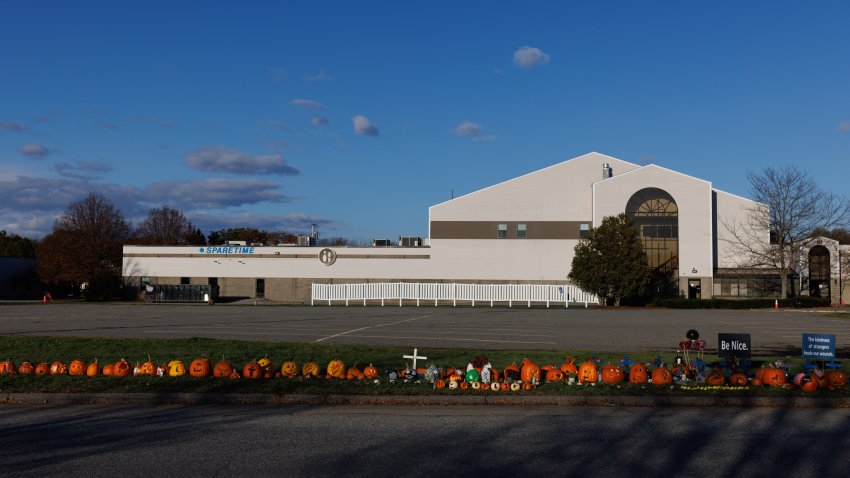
(227, 250)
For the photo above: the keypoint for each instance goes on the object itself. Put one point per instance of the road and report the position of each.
(625, 330)
(353, 440)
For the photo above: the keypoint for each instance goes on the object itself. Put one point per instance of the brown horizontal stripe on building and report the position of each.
(490, 229)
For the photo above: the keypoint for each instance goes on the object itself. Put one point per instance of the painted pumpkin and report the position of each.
(8, 367)
(554, 375)
(569, 367)
(58, 368)
(336, 368)
(587, 373)
(176, 368)
(637, 373)
(93, 369)
(310, 369)
(252, 370)
(200, 367)
(42, 369)
(289, 369)
(809, 383)
(613, 374)
(109, 369)
(662, 376)
(836, 378)
(440, 383)
(121, 368)
(222, 369)
(370, 371)
(773, 377)
(529, 372)
(738, 379)
(26, 368)
(265, 364)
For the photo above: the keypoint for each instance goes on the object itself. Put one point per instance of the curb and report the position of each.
(446, 400)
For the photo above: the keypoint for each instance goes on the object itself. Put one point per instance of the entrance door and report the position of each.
(261, 289)
(694, 289)
(819, 273)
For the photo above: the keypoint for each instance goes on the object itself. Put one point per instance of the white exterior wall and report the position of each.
(733, 212)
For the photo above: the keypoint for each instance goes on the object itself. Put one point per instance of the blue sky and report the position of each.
(358, 116)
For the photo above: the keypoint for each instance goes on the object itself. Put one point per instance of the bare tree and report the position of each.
(85, 247)
(792, 207)
(165, 226)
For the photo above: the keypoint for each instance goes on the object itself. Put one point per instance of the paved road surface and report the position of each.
(174, 441)
(483, 328)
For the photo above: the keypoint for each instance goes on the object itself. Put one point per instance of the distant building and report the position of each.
(520, 231)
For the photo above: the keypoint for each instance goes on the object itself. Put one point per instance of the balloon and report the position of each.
(472, 375)
(692, 334)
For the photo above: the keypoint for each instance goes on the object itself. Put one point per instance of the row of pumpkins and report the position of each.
(514, 377)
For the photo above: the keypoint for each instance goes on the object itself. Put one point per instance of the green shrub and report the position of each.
(763, 303)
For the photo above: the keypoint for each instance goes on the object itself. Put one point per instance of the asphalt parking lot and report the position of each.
(575, 328)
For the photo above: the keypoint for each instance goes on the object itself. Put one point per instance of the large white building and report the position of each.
(523, 230)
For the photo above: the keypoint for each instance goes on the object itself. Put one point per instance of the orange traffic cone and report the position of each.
(44, 299)
(776, 304)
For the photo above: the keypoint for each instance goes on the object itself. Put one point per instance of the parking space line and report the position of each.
(371, 326)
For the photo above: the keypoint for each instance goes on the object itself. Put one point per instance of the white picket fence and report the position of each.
(434, 292)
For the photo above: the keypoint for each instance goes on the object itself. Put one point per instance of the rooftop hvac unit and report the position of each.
(410, 241)
(306, 241)
(381, 243)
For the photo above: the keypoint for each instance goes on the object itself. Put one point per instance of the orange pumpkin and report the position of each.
(370, 372)
(108, 369)
(756, 382)
(809, 383)
(738, 379)
(42, 369)
(529, 372)
(836, 379)
(148, 368)
(587, 372)
(310, 369)
(440, 383)
(7, 367)
(289, 369)
(265, 363)
(26, 368)
(200, 367)
(505, 386)
(662, 376)
(637, 373)
(612, 374)
(715, 378)
(234, 374)
(354, 373)
(569, 367)
(223, 369)
(77, 367)
(773, 377)
(252, 370)
(554, 375)
(93, 369)
(121, 368)
(336, 368)
(58, 368)
(512, 372)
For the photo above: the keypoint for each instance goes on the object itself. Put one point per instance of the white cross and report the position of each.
(415, 357)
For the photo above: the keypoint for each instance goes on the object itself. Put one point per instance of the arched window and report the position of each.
(819, 273)
(654, 212)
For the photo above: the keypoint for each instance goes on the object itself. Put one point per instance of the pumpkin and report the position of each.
(773, 377)
(836, 378)
(93, 369)
(7, 367)
(569, 367)
(662, 376)
(310, 369)
(222, 369)
(370, 371)
(58, 368)
(289, 369)
(612, 374)
(265, 364)
(77, 367)
(336, 368)
(121, 368)
(200, 367)
(252, 370)
(511, 372)
(354, 373)
(715, 378)
(233, 374)
(738, 379)
(176, 368)
(587, 372)
(494, 375)
(494, 386)
(515, 387)
(526, 386)
(26, 368)
(637, 373)
(809, 383)
(529, 372)
(440, 383)
(42, 369)
(505, 386)
(108, 370)
(148, 368)
(756, 382)
(554, 375)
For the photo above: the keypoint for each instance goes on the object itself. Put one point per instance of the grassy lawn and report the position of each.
(66, 349)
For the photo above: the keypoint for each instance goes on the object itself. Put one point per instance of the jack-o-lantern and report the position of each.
(148, 368)
(773, 377)
(93, 369)
(554, 375)
(200, 367)
(587, 372)
(529, 372)
(58, 368)
(310, 369)
(738, 379)
(176, 368)
(252, 370)
(265, 364)
(42, 369)
(515, 387)
(715, 378)
(121, 368)
(289, 369)
(511, 372)
(569, 367)
(354, 373)
(662, 376)
(836, 378)
(440, 383)
(108, 369)
(637, 373)
(505, 386)
(8, 367)
(370, 372)
(222, 369)
(612, 374)
(77, 367)
(336, 368)
(26, 368)
(234, 374)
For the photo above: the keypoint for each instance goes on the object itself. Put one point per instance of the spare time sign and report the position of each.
(819, 346)
(734, 345)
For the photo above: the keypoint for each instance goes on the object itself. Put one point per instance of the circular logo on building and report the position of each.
(201, 250)
(327, 256)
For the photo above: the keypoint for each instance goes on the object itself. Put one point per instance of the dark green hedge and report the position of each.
(803, 301)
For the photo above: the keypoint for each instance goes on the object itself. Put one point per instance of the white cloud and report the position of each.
(82, 169)
(213, 193)
(319, 121)
(296, 222)
(220, 159)
(13, 127)
(364, 127)
(473, 131)
(844, 127)
(309, 105)
(529, 57)
(35, 151)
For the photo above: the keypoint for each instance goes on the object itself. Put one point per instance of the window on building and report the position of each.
(184, 281)
(521, 231)
(260, 291)
(503, 231)
(655, 213)
(583, 231)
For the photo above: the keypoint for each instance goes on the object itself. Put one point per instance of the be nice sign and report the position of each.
(734, 345)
